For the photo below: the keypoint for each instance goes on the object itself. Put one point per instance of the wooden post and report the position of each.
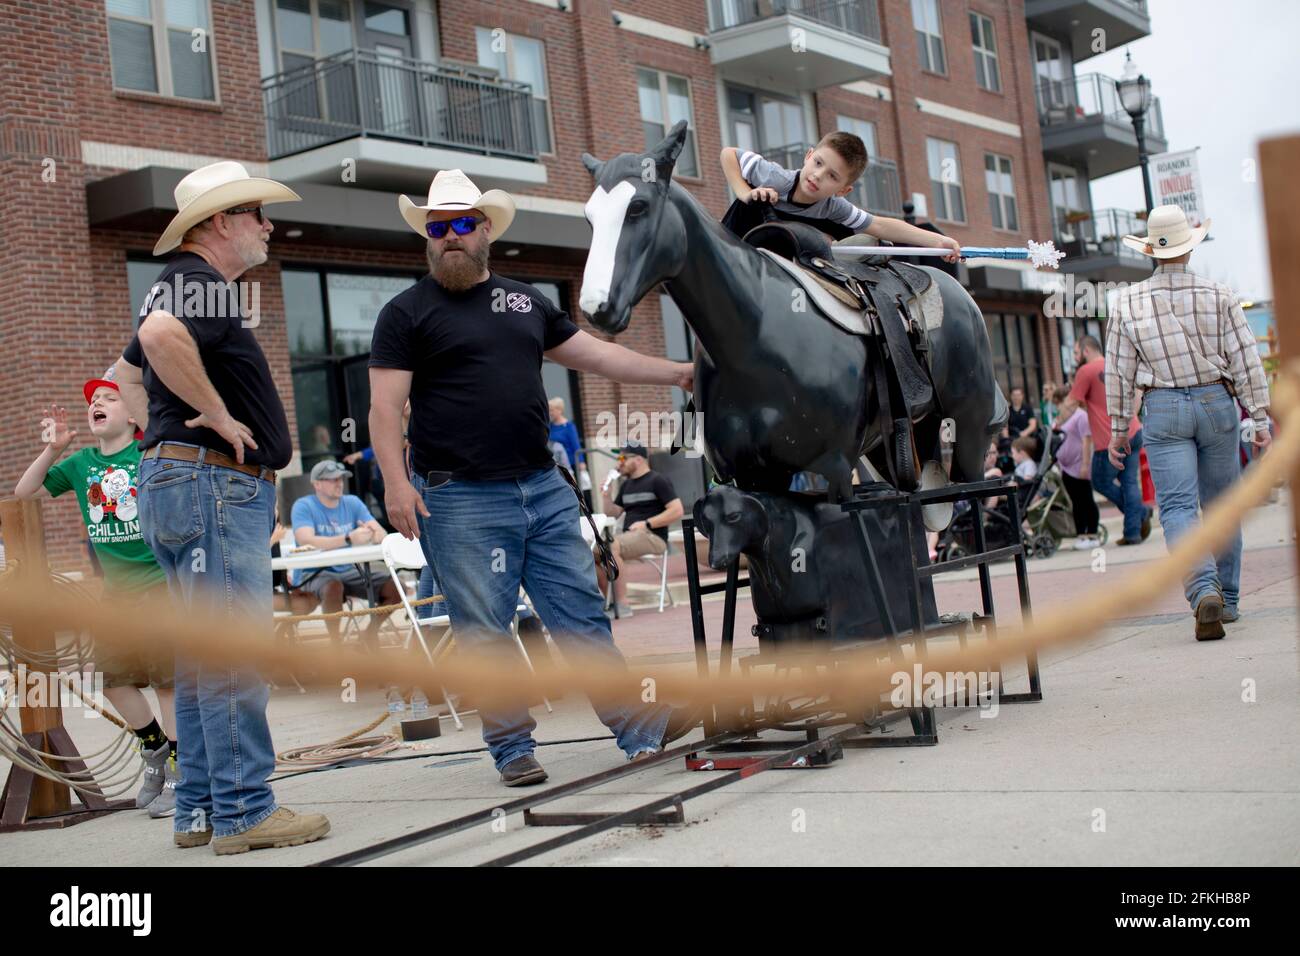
(31, 801)
(1278, 161)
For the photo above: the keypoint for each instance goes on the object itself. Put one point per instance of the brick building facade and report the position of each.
(105, 104)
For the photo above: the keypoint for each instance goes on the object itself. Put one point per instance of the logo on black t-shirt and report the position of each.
(519, 302)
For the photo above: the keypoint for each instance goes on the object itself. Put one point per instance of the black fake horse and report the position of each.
(781, 387)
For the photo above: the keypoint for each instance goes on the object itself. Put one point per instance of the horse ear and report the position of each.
(594, 165)
(701, 519)
(665, 154)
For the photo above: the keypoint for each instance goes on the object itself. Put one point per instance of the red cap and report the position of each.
(88, 390)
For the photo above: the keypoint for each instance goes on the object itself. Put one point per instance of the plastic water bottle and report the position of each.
(396, 707)
(419, 705)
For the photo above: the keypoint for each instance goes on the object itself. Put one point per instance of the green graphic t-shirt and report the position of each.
(105, 487)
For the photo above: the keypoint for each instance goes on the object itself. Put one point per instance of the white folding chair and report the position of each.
(660, 563)
(404, 554)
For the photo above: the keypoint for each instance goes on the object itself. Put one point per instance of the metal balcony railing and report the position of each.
(1080, 234)
(787, 157)
(858, 17)
(1087, 96)
(878, 190)
(360, 92)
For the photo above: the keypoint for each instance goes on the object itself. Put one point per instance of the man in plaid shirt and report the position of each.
(1183, 340)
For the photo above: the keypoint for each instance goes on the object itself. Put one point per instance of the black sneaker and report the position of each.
(522, 772)
(1146, 523)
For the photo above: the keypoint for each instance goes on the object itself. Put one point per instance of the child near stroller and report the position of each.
(1046, 509)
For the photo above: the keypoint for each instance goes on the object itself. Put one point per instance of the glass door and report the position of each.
(1051, 75)
(392, 90)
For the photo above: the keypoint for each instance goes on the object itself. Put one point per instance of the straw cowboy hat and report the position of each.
(452, 191)
(213, 189)
(1169, 234)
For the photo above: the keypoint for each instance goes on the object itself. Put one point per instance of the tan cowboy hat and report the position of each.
(1169, 235)
(452, 191)
(213, 189)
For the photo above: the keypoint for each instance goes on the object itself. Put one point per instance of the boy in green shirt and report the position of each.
(103, 476)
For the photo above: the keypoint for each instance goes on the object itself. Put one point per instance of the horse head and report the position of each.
(638, 239)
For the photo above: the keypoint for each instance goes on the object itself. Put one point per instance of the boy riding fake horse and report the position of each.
(814, 194)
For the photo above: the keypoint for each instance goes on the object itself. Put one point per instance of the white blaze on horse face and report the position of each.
(606, 212)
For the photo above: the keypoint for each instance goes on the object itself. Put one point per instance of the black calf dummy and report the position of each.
(808, 576)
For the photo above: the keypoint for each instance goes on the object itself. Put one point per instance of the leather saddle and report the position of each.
(876, 296)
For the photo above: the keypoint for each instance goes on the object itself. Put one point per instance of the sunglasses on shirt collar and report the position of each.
(463, 226)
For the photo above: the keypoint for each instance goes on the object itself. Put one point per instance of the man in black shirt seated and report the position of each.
(651, 505)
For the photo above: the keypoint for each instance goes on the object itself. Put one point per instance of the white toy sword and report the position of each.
(1038, 253)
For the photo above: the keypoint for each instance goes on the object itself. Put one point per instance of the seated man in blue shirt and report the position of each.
(329, 519)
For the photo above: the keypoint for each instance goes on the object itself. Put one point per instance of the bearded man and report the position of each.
(488, 505)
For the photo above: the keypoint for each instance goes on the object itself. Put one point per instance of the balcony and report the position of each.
(797, 45)
(397, 119)
(878, 190)
(1092, 246)
(1122, 20)
(1083, 122)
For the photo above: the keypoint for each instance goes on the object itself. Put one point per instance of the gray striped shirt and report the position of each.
(760, 172)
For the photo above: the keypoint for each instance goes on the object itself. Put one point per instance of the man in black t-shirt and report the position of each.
(649, 504)
(216, 431)
(488, 505)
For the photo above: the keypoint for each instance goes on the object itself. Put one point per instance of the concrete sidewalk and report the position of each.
(1142, 731)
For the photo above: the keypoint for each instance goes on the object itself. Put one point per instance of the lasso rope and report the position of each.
(361, 612)
(245, 642)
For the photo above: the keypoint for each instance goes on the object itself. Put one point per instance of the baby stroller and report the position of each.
(1045, 508)
(1049, 514)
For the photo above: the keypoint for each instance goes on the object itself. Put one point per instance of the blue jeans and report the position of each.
(427, 588)
(209, 528)
(1123, 489)
(484, 539)
(1192, 447)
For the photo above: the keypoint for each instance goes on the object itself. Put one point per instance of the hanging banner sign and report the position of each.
(1176, 180)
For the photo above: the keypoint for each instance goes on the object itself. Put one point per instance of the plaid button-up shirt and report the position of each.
(1177, 330)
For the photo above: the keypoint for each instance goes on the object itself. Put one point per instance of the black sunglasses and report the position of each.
(261, 216)
(463, 225)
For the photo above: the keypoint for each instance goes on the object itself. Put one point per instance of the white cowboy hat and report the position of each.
(213, 189)
(1169, 235)
(452, 191)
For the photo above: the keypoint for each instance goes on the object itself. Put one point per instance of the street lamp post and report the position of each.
(1135, 94)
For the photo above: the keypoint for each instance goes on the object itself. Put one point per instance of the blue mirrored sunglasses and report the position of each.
(463, 225)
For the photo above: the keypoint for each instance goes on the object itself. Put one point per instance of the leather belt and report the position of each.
(175, 452)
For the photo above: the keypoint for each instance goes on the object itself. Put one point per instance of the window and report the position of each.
(768, 125)
(665, 99)
(945, 180)
(929, 35)
(1014, 339)
(986, 53)
(1051, 75)
(162, 46)
(306, 31)
(865, 130)
(522, 59)
(558, 381)
(1069, 198)
(329, 318)
(1002, 192)
(679, 342)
